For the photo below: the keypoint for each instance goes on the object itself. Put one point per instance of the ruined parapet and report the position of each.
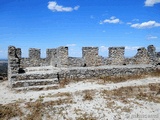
(50, 56)
(62, 57)
(142, 56)
(34, 56)
(75, 62)
(34, 59)
(130, 61)
(152, 54)
(90, 56)
(54, 58)
(116, 55)
(14, 56)
(58, 57)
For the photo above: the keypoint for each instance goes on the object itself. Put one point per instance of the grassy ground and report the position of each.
(90, 104)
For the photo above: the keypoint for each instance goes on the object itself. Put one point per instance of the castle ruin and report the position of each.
(34, 71)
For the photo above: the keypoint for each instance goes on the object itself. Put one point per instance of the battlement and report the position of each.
(58, 59)
(116, 55)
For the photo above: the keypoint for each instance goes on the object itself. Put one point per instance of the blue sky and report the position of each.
(76, 23)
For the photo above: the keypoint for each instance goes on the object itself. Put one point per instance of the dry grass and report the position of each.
(88, 95)
(110, 104)
(64, 82)
(116, 79)
(9, 111)
(123, 78)
(62, 94)
(147, 93)
(86, 116)
(38, 108)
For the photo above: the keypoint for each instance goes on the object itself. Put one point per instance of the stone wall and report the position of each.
(58, 57)
(78, 73)
(34, 59)
(75, 62)
(51, 57)
(98, 72)
(142, 56)
(62, 57)
(91, 57)
(91, 65)
(153, 58)
(116, 55)
(14, 56)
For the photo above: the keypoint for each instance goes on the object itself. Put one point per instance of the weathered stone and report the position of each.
(91, 65)
(116, 55)
(90, 56)
(142, 56)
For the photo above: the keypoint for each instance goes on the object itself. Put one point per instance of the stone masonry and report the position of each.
(90, 56)
(116, 55)
(152, 54)
(36, 71)
(142, 56)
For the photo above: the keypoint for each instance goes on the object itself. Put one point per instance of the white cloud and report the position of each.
(151, 37)
(149, 24)
(151, 2)
(103, 48)
(71, 45)
(132, 48)
(54, 7)
(112, 20)
(129, 23)
(76, 7)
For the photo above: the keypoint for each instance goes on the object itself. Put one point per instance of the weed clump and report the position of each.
(9, 111)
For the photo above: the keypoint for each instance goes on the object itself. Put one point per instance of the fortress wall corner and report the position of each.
(14, 56)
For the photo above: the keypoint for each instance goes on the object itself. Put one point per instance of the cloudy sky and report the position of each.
(75, 23)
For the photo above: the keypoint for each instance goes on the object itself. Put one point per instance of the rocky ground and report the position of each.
(94, 99)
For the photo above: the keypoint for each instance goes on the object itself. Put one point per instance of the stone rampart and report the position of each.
(75, 62)
(90, 65)
(58, 57)
(104, 71)
(78, 73)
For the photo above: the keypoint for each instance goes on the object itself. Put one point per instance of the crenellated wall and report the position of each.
(14, 57)
(58, 57)
(153, 56)
(116, 55)
(75, 62)
(91, 57)
(142, 56)
(34, 70)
